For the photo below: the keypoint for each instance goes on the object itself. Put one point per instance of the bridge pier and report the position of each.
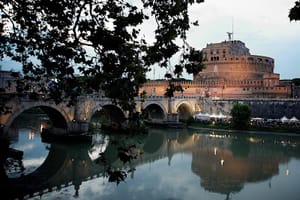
(78, 126)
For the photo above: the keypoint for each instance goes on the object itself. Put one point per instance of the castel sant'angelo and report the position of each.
(230, 72)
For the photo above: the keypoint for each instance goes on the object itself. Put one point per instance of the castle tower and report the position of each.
(231, 60)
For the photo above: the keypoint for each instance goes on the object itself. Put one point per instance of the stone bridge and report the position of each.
(77, 118)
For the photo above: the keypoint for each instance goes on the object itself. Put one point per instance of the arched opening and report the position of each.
(34, 115)
(153, 111)
(184, 111)
(24, 137)
(107, 115)
(153, 143)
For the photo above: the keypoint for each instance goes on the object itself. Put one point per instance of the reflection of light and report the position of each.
(213, 135)
(31, 134)
(215, 151)
(287, 172)
(253, 140)
(41, 127)
(222, 162)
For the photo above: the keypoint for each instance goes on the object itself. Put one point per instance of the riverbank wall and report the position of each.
(264, 108)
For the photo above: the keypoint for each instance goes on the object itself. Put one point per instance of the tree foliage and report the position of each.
(241, 115)
(100, 38)
(294, 13)
(173, 88)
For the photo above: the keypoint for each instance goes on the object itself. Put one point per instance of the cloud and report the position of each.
(263, 25)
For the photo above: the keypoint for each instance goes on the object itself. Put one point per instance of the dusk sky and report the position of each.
(263, 25)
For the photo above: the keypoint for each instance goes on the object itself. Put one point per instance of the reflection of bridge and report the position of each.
(77, 118)
(67, 165)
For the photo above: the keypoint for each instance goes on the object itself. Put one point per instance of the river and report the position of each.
(162, 164)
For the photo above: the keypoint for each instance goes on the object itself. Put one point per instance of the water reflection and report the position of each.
(225, 165)
(163, 164)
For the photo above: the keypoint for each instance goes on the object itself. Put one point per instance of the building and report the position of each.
(230, 72)
(8, 81)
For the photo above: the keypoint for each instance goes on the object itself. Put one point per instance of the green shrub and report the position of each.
(241, 115)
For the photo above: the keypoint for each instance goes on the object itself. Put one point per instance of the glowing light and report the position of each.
(287, 172)
(222, 162)
(31, 135)
(41, 127)
(215, 151)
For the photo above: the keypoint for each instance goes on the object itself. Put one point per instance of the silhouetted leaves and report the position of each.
(126, 153)
(116, 175)
(294, 13)
(173, 88)
(100, 40)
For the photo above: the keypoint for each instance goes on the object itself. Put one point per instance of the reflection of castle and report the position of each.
(225, 168)
(232, 72)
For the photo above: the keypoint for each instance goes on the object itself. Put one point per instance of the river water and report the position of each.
(165, 164)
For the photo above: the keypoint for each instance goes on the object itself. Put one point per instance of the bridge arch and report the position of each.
(112, 112)
(58, 116)
(154, 110)
(154, 142)
(184, 109)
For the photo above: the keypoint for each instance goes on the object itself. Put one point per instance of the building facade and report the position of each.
(8, 81)
(230, 72)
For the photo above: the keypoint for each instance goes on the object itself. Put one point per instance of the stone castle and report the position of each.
(230, 72)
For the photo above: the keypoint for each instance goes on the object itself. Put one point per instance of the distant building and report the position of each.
(8, 81)
(230, 72)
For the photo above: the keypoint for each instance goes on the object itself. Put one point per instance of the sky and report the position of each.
(263, 25)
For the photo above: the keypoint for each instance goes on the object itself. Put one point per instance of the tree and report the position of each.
(241, 115)
(294, 13)
(101, 39)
